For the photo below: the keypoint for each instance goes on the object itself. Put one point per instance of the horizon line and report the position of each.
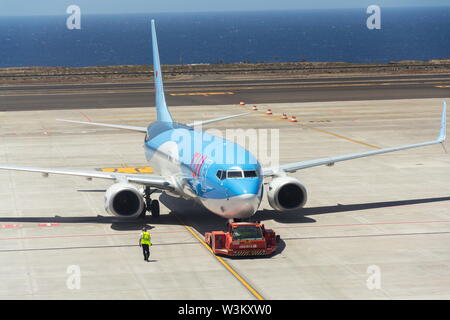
(225, 11)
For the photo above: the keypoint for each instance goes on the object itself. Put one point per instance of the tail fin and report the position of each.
(162, 112)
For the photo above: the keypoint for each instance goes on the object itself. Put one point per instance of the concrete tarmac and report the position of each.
(373, 228)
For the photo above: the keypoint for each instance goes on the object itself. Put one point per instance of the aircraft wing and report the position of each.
(198, 123)
(116, 126)
(154, 181)
(292, 167)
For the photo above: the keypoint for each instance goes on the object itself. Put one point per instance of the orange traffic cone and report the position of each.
(242, 103)
(284, 116)
(293, 119)
(254, 108)
(269, 112)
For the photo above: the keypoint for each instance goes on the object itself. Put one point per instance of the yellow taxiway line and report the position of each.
(226, 265)
(341, 137)
(200, 93)
(54, 92)
(321, 130)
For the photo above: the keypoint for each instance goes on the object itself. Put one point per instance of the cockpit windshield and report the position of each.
(234, 174)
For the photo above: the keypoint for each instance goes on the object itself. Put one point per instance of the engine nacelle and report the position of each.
(286, 193)
(124, 200)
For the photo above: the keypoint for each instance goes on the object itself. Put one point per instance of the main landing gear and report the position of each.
(150, 205)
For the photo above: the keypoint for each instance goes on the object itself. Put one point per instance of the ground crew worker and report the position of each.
(145, 242)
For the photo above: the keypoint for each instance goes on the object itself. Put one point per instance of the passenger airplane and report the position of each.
(231, 190)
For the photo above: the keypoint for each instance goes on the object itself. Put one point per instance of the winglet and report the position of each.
(443, 131)
(162, 112)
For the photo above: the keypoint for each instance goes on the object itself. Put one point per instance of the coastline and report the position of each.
(143, 73)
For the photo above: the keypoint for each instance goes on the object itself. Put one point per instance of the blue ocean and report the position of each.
(218, 37)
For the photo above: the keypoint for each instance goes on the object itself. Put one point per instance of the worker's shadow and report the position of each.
(132, 225)
(148, 222)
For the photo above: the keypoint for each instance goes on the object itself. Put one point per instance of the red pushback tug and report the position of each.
(243, 239)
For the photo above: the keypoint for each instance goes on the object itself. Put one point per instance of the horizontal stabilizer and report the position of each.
(198, 123)
(116, 126)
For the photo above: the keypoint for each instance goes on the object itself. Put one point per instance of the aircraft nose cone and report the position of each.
(239, 207)
(251, 188)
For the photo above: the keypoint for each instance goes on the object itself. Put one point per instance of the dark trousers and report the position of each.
(146, 251)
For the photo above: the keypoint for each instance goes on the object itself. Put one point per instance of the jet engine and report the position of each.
(286, 193)
(124, 200)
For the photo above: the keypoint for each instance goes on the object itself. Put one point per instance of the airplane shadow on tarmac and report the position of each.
(302, 215)
(202, 220)
(194, 215)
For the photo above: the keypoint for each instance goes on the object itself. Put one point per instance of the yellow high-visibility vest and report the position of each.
(146, 238)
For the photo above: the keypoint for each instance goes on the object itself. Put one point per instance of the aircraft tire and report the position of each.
(154, 208)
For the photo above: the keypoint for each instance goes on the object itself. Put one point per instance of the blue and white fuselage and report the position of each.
(223, 176)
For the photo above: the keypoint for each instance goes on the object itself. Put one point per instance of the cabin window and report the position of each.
(220, 174)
